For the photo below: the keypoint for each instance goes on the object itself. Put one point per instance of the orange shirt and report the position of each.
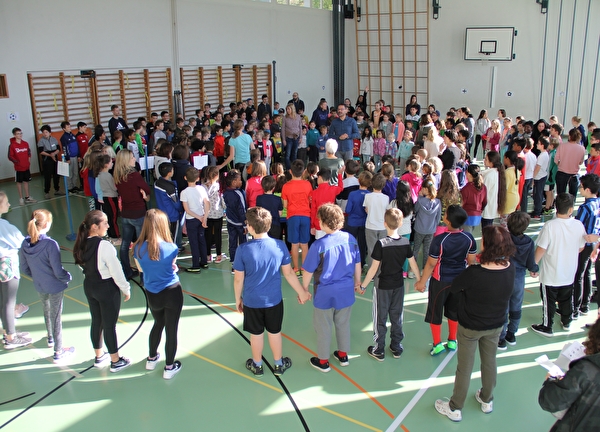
(297, 194)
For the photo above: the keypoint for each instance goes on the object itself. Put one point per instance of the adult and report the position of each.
(344, 129)
(240, 145)
(483, 292)
(321, 114)
(134, 193)
(331, 161)
(103, 283)
(298, 103)
(10, 242)
(361, 101)
(575, 397)
(291, 131)
(156, 255)
(116, 122)
(264, 109)
(469, 123)
(569, 158)
(413, 102)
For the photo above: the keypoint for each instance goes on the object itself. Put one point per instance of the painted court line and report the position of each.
(408, 408)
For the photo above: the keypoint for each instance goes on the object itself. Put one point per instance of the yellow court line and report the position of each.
(67, 290)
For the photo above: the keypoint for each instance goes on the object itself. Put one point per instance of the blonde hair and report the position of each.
(293, 113)
(436, 164)
(259, 169)
(154, 230)
(39, 220)
(122, 168)
(495, 125)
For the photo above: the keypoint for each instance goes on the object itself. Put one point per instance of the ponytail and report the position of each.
(91, 218)
(39, 220)
(473, 169)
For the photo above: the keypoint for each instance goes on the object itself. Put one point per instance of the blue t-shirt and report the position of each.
(160, 274)
(261, 261)
(451, 250)
(242, 148)
(357, 216)
(332, 259)
(272, 203)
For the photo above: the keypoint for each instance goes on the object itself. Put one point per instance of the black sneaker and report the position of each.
(120, 364)
(377, 354)
(543, 330)
(256, 370)
(170, 373)
(193, 269)
(204, 266)
(510, 338)
(343, 360)
(316, 363)
(584, 310)
(279, 370)
(502, 345)
(397, 352)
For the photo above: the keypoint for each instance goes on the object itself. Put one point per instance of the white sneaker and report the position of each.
(151, 364)
(21, 201)
(64, 354)
(411, 275)
(170, 373)
(486, 407)
(443, 407)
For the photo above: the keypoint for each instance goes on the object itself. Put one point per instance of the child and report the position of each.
(215, 215)
(375, 205)
(321, 141)
(357, 216)
(302, 146)
(196, 205)
(312, 137)
(265, 146)
(107, 194)
(117, 137)
(132, 145)
(404, 149)
(530, 163)
(350, 183)
(296, 200)
(388, 292)
(474, 198)
(391, 148)
(576, 122)
(512, 185)
(413, 118)
(39, 259)
(448, 194)
(235, 203)
(540, 175)
(71, 153)
(450, 253)
(277, 145)
(325, 193)
(413, 177)
(592, 164)
(391, 181)
(209, 147)
(335, 261)
(428, 211)
(558, 246)
(257, 285)
(523, 259)
(378, 148)
(366, 145)
(19, 154)
(82, 139)
(272, 203)
(167, 200)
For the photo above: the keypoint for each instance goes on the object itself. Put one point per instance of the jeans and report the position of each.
(563, 180)
(131, 228)
(515, 303)
(345, 155)
(538, 195)
(291, 150)
(525, 194)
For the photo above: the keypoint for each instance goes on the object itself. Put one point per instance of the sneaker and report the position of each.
(63, 354)
(575, 316)
(279, 370)
(30, 200)
(18, 341)
(343, 360)
(102, 360)
(510, 338)
(21, 201)
(543, 330)
(298, 272)
(73, 190)
(232, 271)
(377, 354)
(547, 212)
(50, 342)
(20, 310)
(59, 193)
(584, 310)
(256, 370)
(204, 266)
(209, 258)
(193, 269)
(437, 349)
(170, 373)
(151, 364)
(486, 407)
(411, 275)
(120, 364)
(405, 275)
(219, 259)
(443, 407)
(565, 327)
(397, 352)
(536, 217)
(502, 345)
(46, 196)
(451, 345)
(316, 363)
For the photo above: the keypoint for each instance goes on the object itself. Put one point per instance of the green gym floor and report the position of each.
(214, 391)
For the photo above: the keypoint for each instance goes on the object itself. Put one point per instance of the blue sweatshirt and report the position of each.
(41, 261)
(235, 203)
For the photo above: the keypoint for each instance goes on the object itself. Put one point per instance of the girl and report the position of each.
(108, 197)
(432, 142)
(378, 148)
(494, 179)
(413, 178)
(87, 174)
(474, 198)
(215, 214)
(102, 284)
(366, 144)
(391, 148)
(492, 137)
(403, 201)
(386, 126)
(428, 211)
(278, 170)
(253, 185)
(511, 160)
(436, 170)
(399, 127)
(448, 194)
(391, 181)
(40, 259)
(156, 255)
(404, 149)
(481, 126)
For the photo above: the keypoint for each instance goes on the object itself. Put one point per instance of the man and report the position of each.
(116, 122)
(344, 129)
(264, 107)
(298, 103)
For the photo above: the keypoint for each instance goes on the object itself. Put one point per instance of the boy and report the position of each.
(49, 150)
(167, 198)
(530, 164)
(350, 183)
(559, 243)
(375, 205)
(257, 285)
(272, 203)
(235, 202)
(82, 139)
(523, 259)
(71, 150)
(388, 291)
(449, 254)
(277, 145)
(321, 141)
(540, 175)
(219, 141)
(196, 205)
(312, 136)
(335, 261)
(551, 180)
(19, 154)
(592, 164)
(116, 122)
(296, 200)
(589, 215)
(357, 216)
(140, 131)
(413, 117)
(323, 194)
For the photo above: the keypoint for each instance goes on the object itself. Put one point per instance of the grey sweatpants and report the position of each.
(372, 236)
(323, 321)
(53, 305)
(388, 303)
(8, 299)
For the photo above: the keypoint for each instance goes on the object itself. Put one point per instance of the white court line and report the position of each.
(405, 309)
(408, 408)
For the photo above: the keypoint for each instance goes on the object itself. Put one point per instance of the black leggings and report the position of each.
(477, 142)
(49, 170)
(8, 299)
(166, 309)
(213, 235)
(105, 304)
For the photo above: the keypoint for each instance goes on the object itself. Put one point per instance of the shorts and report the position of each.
(298, 229)
(256, 320)
(22, 176)
(441, 300)
(548, 187)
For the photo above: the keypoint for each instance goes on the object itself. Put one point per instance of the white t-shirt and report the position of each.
(543, 160)
(490, 180)
(194, 197)
(562, 239)
(530, 162)
(376, 203)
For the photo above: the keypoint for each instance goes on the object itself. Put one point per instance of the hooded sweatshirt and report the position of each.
(524, 257)
(41, 261)
(427, 215)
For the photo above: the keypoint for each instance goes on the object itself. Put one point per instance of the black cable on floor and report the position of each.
(18, 398)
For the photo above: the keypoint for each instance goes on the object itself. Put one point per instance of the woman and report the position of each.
(155, 254)
(331, 161)
(103, 284)
(291, 131)
(568, 158)
(10, 242)
(134, 193)
(481, 126)
(483, 292)
(240, 145)
(413, 102)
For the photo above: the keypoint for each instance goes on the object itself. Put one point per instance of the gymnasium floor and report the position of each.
(214, 391)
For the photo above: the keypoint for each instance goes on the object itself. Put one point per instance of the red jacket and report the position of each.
(323, 194)
(473, 200)
(19, 154)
